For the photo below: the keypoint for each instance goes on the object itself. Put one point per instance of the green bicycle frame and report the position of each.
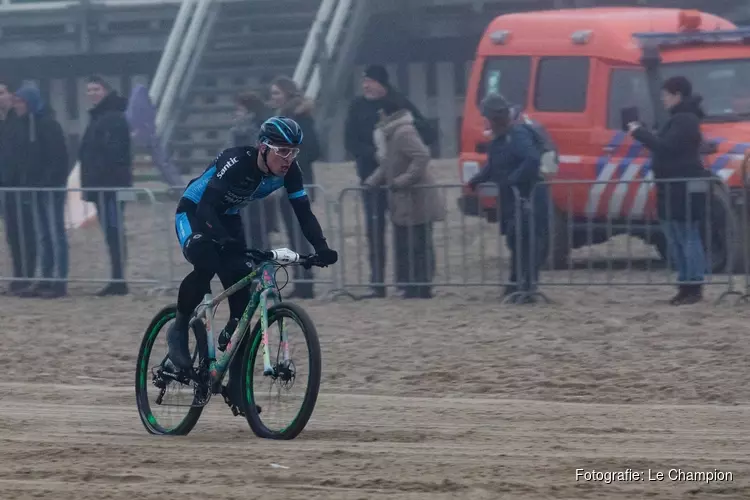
(265, 289)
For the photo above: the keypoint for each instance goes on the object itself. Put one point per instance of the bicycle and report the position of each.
(208, 373)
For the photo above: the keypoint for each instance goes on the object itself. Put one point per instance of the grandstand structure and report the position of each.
(195, 55)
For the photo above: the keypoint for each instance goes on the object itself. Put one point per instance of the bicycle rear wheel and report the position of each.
(158, 387)
(274, 392)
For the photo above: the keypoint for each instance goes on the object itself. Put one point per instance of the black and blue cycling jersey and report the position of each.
(229, 184)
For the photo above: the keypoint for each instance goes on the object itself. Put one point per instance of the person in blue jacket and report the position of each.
(513, 163)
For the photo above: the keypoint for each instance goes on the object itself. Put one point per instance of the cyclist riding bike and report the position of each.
(209, 227)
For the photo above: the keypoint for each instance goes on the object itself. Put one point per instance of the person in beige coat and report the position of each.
(403, 164)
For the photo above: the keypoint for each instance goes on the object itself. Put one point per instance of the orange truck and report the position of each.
(573, 71)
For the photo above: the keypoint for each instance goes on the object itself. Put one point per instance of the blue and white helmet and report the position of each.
(280, 131)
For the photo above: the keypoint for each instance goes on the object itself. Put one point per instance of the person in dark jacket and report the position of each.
(6, 104)
(513, 163)
(681, 203)
(362, 118)
(20, 229)
(287, 100)
(39, 152)
(106, 162)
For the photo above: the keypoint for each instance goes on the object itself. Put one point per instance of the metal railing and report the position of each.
(321, 43)
(168, 55)
(51, 5)
(177, 63)
(411, 239)
(310, 51)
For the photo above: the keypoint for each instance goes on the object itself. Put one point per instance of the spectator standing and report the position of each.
(20, 227)
(681, 204)
(39, 150)
(513, 163)
(287, 100)
(403, 163)
(260, 218)
(6, 104)
(106, 162)
(361, 120)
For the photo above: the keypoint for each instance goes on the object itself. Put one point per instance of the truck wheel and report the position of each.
(723, 233)
(726, 247)
(742, 240)
(558, 243)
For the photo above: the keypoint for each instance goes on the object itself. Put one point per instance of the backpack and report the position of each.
(425, 130)
(550, 158)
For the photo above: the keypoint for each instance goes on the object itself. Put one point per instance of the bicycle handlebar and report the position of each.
(283, 256)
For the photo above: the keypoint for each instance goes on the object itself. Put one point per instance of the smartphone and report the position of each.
(628, 115)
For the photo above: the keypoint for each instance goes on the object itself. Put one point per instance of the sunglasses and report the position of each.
(282, 151)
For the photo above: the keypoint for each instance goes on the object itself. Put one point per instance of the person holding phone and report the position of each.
(681, 192)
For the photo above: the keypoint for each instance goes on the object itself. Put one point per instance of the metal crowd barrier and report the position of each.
(58, 236)
(606, 210)
(461, 250)
(385, 241)
(599, 247)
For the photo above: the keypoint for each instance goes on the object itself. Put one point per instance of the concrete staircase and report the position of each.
(250, 43)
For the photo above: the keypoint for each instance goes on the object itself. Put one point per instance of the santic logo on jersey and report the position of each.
(226, 166)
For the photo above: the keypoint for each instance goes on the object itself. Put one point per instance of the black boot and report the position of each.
(682, 292)
(694, 294)
(177, 342)
(226, 334)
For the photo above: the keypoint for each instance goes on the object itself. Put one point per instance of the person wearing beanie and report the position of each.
(362, 118)
(514, 165)
(106, 162)
(37, 156)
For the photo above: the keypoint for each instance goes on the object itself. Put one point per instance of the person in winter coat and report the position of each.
(513, 163)
(681, 204)
(33, 154)
(361, 120)
(260, 217)
(404, 161)
(40, 157)
(106, 162)
(6, 105)
(287, 100)
(20, 228)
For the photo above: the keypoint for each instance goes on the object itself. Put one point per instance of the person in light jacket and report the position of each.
(404, 160)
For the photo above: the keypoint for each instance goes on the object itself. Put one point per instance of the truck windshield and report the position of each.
(724, 85)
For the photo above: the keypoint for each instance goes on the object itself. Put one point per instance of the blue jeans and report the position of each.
(50, 207)
(686, 249)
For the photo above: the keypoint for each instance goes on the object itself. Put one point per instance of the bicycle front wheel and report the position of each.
(287, 393)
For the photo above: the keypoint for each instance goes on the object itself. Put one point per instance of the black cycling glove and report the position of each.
(326, 257)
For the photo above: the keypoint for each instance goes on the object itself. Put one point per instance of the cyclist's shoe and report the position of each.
(177, 341)
(226, 334)
(230, 398)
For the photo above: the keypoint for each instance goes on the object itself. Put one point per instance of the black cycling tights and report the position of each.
(207, 263)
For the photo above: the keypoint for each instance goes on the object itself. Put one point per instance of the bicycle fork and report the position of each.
(284, 343)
